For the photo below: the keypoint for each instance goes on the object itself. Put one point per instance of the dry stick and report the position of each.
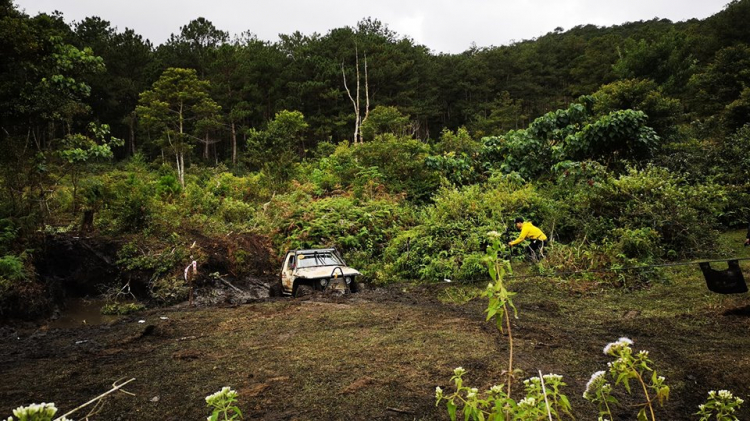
(400, 411)
(544, 391)
(115, 387)
(98, 406)
(229, 285)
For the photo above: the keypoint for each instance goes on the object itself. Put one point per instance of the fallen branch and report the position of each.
(400, 411)
(115, 388)
(229, 285)
(187, 338)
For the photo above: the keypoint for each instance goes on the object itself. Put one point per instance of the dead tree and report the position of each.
(359, 119)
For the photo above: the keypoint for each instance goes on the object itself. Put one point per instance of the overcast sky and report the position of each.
(449, 26)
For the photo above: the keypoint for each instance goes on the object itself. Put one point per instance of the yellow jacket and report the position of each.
(528, 230)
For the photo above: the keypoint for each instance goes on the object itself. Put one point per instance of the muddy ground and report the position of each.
(378, 354)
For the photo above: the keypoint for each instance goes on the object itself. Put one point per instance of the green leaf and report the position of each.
(499, 322)
(642, 415)
(451, 410)
(490, 312)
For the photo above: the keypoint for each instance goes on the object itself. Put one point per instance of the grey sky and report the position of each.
(442, 25)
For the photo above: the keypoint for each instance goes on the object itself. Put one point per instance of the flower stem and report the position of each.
(645, 392)
(510, 348)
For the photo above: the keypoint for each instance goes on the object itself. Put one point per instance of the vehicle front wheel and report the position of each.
(353, 287)
(301, 290)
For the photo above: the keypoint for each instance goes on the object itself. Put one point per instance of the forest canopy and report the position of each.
(630, 141)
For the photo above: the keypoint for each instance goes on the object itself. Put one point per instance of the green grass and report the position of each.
(328, 358)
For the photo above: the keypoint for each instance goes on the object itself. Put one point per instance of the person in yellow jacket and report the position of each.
(537, 239)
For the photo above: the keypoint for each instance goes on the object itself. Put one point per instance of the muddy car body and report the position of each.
(304, 271)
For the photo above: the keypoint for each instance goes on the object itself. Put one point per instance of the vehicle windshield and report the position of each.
(325, 258)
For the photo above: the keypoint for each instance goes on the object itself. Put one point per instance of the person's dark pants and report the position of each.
(535, 249)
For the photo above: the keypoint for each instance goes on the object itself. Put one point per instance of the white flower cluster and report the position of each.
(459, 371)
(472, 393)
(613, 347)
(548, 378)
(552, 377)
(224, 394)
(438, 393)
(36, 412)
(493, 234)
(725, 395)
(496, 389)
(597, 382)
(527, 402)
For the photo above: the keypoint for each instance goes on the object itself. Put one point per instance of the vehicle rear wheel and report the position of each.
(276, 290)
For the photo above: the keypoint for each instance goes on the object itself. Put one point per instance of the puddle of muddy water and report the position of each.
(82, 312)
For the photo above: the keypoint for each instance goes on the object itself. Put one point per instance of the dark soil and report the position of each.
(378, 354)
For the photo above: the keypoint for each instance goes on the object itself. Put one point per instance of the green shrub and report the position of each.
(8, 234)
(121, 309)
(132, 257)
(12, 268)
(168, 186)
(397, 163)
(450, 237)
(169, 290)
(458, 142)
(130, 208)
(235, 211)
(682, 216)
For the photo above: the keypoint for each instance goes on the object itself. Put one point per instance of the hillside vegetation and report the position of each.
(626, 144)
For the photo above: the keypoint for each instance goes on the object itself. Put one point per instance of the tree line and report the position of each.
(57, 78)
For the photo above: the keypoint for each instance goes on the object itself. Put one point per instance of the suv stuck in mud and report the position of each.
(305, 271)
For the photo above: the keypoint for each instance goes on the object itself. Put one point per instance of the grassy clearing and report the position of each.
(355, 357)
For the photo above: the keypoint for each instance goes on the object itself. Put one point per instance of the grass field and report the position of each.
(380, 354)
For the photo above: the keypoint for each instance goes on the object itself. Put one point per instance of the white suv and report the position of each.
(305, 271)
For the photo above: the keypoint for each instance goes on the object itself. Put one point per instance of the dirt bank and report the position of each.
(67, 267)
(378, 354)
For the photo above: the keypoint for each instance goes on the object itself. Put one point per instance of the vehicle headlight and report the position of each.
(348, 280)
(323, 282)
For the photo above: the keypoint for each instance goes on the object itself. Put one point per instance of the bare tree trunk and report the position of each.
(355, 104)
(234, 143)
(181, 168)
(181, 153)
(179, 172)
(358, 118)
(358, 134)
(367, 98)
(131, 126)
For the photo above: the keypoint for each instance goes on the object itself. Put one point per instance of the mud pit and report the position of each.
(376, 355)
